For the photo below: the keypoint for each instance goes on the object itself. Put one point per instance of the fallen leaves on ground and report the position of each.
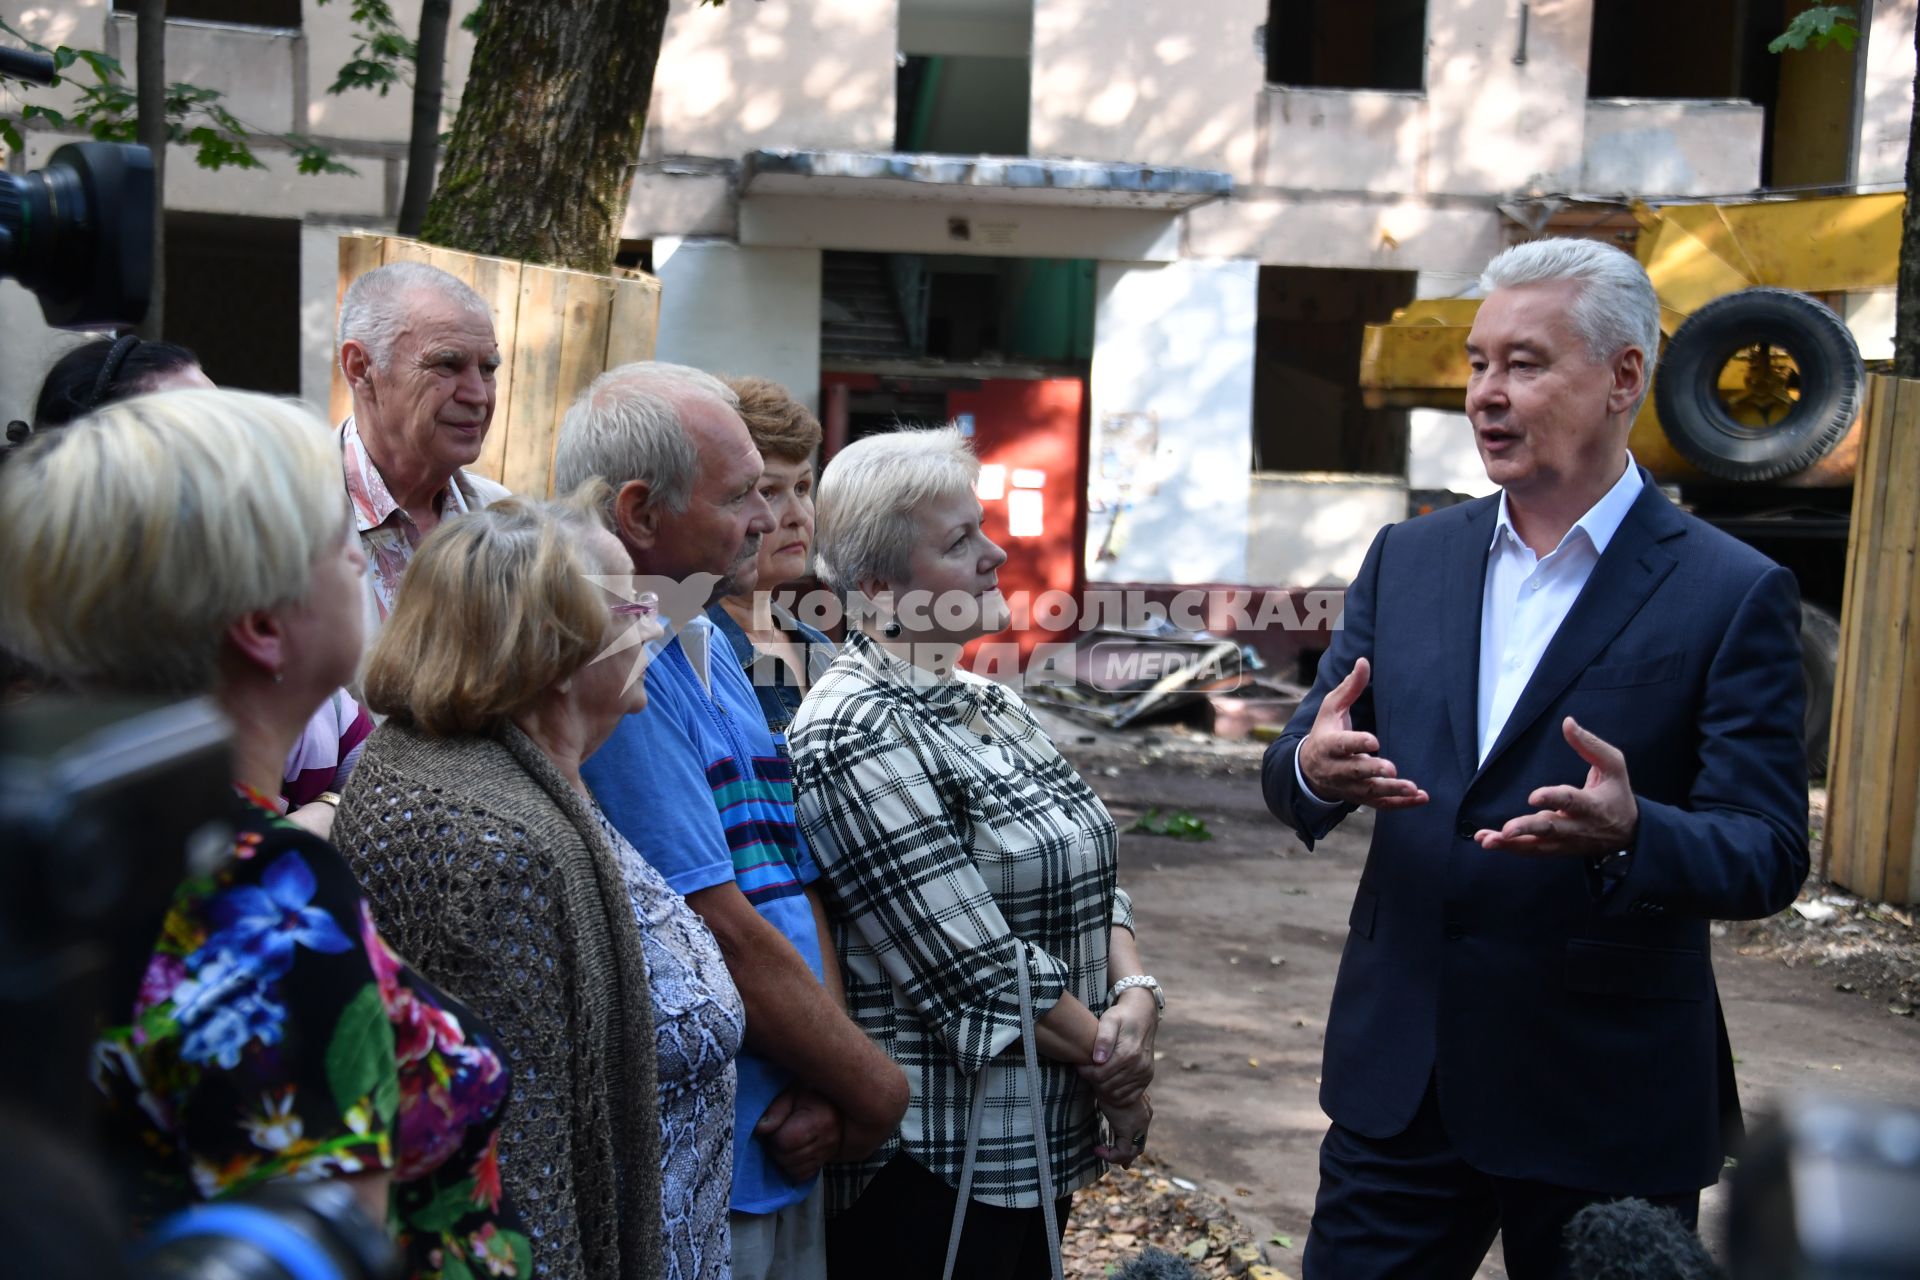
(1131, 1209)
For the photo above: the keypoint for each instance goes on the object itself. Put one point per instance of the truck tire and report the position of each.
(1686, 392)
(1819, 656)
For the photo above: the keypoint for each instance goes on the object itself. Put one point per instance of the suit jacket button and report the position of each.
(1455, 931)
(1464, 829)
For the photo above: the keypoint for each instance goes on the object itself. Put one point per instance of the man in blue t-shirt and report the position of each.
(696, 783)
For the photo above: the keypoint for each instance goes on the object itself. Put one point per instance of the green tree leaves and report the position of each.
(383, 55)
(196, 116)
(1818, 27)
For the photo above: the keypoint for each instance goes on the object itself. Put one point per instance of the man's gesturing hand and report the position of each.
(1592, 821)
(1342, 765)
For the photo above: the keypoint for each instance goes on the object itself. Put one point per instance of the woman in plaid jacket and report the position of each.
(956, 844)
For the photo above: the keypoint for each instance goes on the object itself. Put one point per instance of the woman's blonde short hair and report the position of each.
(138, 534)
(496, 606)
(868, 495)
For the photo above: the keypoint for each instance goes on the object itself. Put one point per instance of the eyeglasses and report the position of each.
(644, 605)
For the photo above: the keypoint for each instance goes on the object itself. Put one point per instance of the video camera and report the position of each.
(79, 232)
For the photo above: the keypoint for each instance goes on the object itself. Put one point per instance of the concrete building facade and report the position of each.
(1190, 208)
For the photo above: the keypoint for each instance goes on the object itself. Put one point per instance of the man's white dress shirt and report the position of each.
(1523, 602)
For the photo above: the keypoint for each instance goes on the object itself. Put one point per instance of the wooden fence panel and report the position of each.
(1873, 808)
(358, 255)
(586, 316)
(498, 281)
(536, 404)
(635, 326)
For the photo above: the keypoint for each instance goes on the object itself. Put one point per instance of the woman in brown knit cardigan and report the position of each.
(488, 863)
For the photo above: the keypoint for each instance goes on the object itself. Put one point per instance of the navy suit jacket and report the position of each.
(1572, 1030)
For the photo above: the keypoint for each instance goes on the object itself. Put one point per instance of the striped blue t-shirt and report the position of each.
(697, 784)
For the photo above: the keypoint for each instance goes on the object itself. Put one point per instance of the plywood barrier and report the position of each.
(1874, 773)
(557, 331)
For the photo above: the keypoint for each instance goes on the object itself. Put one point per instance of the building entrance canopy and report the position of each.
(985, 180)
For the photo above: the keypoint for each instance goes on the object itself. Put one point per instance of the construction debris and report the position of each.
(1871, 949)
(1124, 678)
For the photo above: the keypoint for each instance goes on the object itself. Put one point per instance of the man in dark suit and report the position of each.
(1576, 712)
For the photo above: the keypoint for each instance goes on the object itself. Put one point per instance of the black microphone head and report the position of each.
(1634, 1240)
(1155, 1264)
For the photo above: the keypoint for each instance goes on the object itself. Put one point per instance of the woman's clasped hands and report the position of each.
(1120, 1072)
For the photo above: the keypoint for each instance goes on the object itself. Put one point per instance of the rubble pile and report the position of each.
(1869, 949)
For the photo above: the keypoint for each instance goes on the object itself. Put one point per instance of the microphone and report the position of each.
(1634, 1240)
(1155, 1264)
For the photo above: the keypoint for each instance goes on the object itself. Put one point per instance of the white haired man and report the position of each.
(418, 352)
(1576, 712)
(699, 787)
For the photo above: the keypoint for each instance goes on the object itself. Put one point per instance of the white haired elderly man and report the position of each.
(701, 789)
(1576, 712)
(418, 352)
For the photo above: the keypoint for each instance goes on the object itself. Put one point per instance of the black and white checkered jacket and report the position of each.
(954, 842)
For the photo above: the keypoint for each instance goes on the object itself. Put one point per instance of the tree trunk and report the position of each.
(1906, 311)
(423, 145)
(542, 152)
(150, 69)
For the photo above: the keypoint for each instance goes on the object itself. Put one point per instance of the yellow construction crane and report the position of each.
(1759, 382)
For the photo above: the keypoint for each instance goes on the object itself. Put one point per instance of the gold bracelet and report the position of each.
(329, 798)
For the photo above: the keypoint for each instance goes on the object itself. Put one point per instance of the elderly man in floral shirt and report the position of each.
(418, 352)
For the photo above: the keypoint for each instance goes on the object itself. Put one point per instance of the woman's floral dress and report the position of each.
(276, 1035)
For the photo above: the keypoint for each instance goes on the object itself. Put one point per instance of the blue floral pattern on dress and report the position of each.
(265, 922)
(228, 1000)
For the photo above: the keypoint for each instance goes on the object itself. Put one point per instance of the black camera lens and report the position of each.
(79, 233)
(281, 1231)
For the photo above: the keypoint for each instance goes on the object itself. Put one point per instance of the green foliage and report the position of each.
(1181, 825)
(311, 157)
(196, 116)
(1818, 27)
(383, 54)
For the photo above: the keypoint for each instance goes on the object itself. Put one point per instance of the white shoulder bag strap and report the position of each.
(1044, 1173)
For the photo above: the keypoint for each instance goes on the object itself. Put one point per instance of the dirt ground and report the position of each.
(1245, 932)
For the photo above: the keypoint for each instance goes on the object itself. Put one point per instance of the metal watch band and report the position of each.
(1146, 981)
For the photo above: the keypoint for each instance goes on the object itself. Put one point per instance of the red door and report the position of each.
(1031, 439)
